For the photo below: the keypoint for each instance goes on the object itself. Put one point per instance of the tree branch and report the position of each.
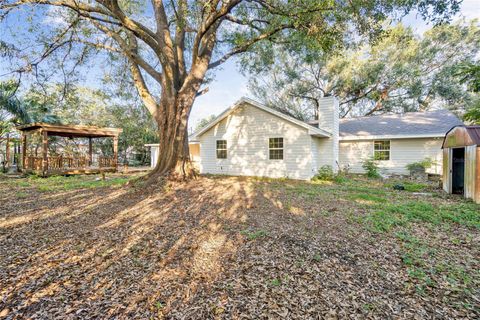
(131, 52)
(142, 89)
(140, 30)
(248, 44)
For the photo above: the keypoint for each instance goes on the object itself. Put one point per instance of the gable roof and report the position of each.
(460, 136)
(411, 124)
(63, 130)
(313, 131)
(429, 124)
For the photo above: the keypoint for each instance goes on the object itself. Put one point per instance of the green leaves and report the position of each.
(10, 104)
(399, 72)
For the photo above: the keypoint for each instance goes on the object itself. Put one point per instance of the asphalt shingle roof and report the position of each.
(411, 123)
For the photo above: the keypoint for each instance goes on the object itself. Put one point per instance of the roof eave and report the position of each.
(317, 132)
(392, 136)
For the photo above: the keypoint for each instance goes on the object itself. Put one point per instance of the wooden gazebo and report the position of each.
(46, 165)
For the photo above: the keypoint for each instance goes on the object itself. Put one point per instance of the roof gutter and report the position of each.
(392, 137)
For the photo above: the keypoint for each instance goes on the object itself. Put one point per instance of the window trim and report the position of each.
(217, 149)
(383, 150)
(282, 148)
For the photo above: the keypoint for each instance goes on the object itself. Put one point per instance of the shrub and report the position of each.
(340, 178)
(420, 165)
(371, 168)
(325, 173)
(345, 170)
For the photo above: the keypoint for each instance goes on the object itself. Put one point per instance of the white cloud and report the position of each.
(470, 9)
(55, 17)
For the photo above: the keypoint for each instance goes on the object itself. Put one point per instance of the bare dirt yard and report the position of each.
(231, 248)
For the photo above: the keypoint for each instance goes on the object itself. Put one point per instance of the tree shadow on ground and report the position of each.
(216, 247)
(109, 252)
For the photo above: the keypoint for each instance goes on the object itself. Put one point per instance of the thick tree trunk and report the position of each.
(173, 161)
(173, 156)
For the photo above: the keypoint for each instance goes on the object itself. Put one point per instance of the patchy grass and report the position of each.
(66, 183)
(411, 186)
(389, 216)
(226, 247)
(367, 198)
(275, 282)
(252, 235)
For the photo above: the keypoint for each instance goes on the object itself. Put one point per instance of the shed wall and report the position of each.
(477, 178)
(446, 170)
(470, 171)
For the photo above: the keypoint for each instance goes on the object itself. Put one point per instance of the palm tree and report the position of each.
(11, 111)
(11, 105)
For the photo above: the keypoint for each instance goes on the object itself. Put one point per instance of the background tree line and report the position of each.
(400, 72)
(171, 48)
(82, 106)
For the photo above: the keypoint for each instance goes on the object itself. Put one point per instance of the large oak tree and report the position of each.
(171, 45)
(401, 72)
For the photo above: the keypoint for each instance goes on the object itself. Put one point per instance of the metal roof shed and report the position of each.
(461, 161)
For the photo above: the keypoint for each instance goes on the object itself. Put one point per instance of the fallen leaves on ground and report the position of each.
(215, 247)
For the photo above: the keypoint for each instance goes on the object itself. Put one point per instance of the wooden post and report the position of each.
(24, 151)
(44, 152)
(90, 151)
(115, 152)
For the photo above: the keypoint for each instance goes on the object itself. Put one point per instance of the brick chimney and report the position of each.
(328, 120)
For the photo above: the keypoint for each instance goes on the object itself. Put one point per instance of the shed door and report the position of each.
(458, 170)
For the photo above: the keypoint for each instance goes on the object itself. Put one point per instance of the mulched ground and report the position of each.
(224, 247)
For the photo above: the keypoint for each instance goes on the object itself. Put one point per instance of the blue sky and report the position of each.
(229, 85)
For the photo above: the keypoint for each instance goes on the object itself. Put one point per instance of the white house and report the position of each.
(254, 140)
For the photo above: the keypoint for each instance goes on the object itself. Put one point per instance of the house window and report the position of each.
(221, 149)
(381, 150)
(275, 148)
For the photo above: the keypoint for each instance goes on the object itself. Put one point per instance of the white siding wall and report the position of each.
(247, 131)
(328, 148)
(194, 154)
(402, 152)
(315, 154)
(153, 156)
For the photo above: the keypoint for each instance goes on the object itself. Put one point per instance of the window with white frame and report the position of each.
(275, 148)
(221, 149)
(381, 150)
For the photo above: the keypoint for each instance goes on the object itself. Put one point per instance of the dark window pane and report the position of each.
(276, 154)
(381, 150)
(221, 144)
(382, 155)
(221, 149)
(221, 154)
(275, 146)
(275, 143)
(382, 145)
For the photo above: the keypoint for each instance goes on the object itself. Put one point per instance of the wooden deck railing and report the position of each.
(59, 163)
(67, 162)
(106, 162)
(33, 163)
